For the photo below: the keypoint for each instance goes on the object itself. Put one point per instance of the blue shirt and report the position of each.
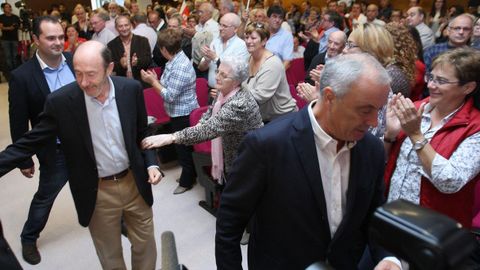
(281, 44)
(179, 86)
(324, 39)
(432, 51)
(56, 77)
(107, 136)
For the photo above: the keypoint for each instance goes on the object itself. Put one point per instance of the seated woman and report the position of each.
(177, 88)
(433, 144)
(235, 112)
(267, 80)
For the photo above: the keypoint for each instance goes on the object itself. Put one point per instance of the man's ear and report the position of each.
(328, 95)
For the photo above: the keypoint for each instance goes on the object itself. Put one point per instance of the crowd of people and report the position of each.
(392, 112)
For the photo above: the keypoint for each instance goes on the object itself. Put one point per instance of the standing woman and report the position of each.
(235, 112)
(267, 80)
(433, 144)
(177, 88)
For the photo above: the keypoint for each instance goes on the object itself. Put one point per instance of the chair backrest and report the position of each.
(202, 91)
(195, 115)
(154, 106)
(296, 71)
(157, 70)
(300, 101)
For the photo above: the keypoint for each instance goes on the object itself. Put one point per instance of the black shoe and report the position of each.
(30, 253)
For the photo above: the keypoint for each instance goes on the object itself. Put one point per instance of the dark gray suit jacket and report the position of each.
(276, 179)
(27, 91)
(65, 116)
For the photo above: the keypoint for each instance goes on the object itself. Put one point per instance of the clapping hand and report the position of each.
(208, 53)
(148, 76)
(316, 73)
(134, 59)
(307, 91)
(409, 117)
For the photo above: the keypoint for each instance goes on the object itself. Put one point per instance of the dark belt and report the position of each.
(116, 176)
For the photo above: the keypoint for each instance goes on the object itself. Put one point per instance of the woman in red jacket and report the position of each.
(434, 144)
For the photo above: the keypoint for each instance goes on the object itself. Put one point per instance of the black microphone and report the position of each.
(169, 252)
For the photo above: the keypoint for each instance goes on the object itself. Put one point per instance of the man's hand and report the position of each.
(208, 53)
(154, 175)
(123, 60)
(387, 265)
(307, 91)
(316, 73)
(28, 172)
(134, 60)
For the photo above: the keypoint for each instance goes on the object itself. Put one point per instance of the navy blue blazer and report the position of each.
(27, 91)
(65, 116)
(276, 179)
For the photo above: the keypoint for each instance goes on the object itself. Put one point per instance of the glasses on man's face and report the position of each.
(458, 29)
(350, 45)
(225, 26)
(438, 80)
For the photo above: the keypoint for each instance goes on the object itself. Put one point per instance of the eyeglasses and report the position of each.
(225, 26)
(350, 45)
(222, 75)
(438, 80)
(458, 29)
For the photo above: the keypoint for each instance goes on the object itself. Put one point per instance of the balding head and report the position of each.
(460, 30)
(372, 12)
(415, 16)
(336, 43)
(93, 65)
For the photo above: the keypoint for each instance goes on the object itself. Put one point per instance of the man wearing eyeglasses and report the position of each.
(228, 43)
(459, 33)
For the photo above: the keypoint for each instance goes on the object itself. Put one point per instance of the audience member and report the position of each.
(376, 41)
(177, 88)
(404, 55)
(176, 23)
(134, 8)
(97, 179)
(83, 26)
(339, 172)
(459, 33)
(433, 160)
(438, 14)
(101, 33)
(396, 16)
(234, 114)
(130, 53)
(416, 17)
(227, 44)
(306, 5)
(9, 25)
(298, 48)
(280, 42)
(476, 35)
(372, 14)
(139, 22)
(72, 39)
(48, 70)
(225, 6)
(156, 20)
(336, 44)
(356, 16)
(205, 31)
(206, 23)
(385, 11)
(293, 17)
(267, 79)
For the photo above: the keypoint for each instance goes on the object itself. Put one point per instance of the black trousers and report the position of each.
(184, 153)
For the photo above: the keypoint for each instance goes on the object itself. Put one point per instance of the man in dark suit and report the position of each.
(48, 70)
(100, 121)
(131, 53)
(310, 180)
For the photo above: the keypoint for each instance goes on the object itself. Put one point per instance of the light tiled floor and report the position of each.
(64, 244)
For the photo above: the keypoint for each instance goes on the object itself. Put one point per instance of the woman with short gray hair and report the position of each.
(234, 113)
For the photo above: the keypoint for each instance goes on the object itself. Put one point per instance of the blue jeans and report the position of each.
(10, 49)
(52, 179)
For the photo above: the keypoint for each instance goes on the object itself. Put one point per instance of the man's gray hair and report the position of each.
(342, 71)
(101, 14)
(234, 19)
(228, 4)
(239, 67)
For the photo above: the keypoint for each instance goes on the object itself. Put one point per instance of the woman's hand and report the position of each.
(148, 76)
(307, 91)
(157, 141)
(393, 125)
(410, 118)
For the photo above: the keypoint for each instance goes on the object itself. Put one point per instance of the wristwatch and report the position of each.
(418, 145)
